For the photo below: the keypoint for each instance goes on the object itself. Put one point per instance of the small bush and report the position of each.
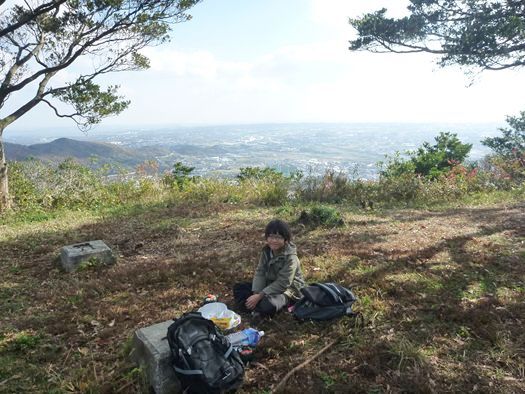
(430, 161)
(24, 190)
(321, 215)
(363, 193)
(401, 190)
(180, 176)
(211, 190)
(247, 173)
(511, 145)
(333, 187)
(507, 171)
(266, 186)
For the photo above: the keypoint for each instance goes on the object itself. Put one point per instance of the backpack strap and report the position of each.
(228, 352)
(330, 291)
(347, 292)
(188, 371)
(334, 288)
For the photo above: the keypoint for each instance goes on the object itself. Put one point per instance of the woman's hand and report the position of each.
(253, 300)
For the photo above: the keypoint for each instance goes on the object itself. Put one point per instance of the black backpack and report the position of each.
(324, 301)
(203, 359)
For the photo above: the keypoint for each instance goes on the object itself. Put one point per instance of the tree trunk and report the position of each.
(5, 201)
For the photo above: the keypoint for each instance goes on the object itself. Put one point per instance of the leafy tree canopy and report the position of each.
(485, 33)
(512, 143)
(40, 39)
(430, 160)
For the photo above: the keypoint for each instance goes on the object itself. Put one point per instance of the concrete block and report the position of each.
(72, 256)
(151, 351)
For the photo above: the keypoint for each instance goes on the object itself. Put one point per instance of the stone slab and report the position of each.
(151, 352)
(72, 256)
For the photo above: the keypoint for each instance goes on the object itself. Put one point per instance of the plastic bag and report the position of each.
(219, 313)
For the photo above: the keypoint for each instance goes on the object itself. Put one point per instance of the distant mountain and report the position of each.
(86, 152)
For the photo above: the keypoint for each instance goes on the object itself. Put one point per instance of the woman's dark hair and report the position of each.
(278, 227)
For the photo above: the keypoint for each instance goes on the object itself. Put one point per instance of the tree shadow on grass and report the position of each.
(485, 214)
(451, 293)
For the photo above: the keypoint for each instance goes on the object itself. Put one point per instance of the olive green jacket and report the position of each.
(280, 273)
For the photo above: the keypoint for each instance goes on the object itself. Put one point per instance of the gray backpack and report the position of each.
(202, 357)
(324, 301)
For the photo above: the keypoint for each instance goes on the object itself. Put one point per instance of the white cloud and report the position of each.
(198, 63)
(313, 80)
(319, 81)
(204, 65)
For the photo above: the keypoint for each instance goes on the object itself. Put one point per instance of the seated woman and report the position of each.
(278, 278)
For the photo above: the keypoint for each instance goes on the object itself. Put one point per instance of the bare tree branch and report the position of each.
(58, 114)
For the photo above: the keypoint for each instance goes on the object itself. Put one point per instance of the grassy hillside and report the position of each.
(441, 294)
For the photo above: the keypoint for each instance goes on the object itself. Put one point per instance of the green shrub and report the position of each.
(36, 185)
(211, 190)
(180, 176)
(511, 145)
(402, 189)
(332, 187)
(410, 189)
(507, 172)
(428, 160)
(258, 173)
(43, 187)
(267, 192)
(321, 215)
(23, 189)
(363, 193)
(266, 186)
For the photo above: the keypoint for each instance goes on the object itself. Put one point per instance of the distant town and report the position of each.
(221, 150)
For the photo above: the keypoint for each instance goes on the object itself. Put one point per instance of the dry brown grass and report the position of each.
(441, 294)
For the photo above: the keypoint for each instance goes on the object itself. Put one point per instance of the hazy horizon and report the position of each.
(223, 149)
(13, 133)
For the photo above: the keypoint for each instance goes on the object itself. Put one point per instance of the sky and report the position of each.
(275, 61)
